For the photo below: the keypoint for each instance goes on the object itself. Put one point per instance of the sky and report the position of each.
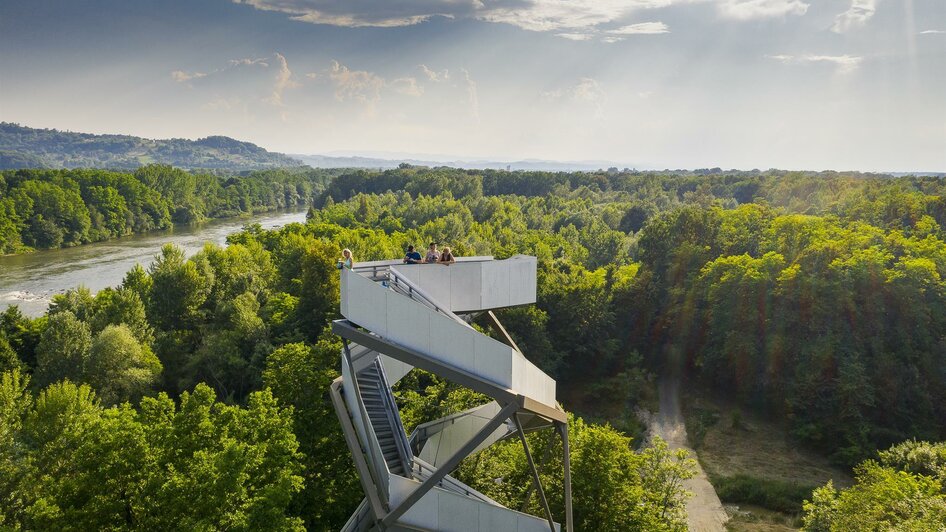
(794, 84)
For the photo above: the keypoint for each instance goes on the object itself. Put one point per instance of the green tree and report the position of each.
(179, 289)
(63, 349)
(299, 375)
(119, 367)
(122, 307)
(882, 498)
(8, 359)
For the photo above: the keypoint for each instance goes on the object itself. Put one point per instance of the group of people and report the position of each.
(433, 256)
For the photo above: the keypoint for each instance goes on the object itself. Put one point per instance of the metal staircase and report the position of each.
(399, 317)
(384, 419)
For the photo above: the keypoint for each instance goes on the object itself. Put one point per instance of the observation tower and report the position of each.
(398, 317)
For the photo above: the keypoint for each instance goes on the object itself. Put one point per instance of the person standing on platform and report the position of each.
(446, 258)
(432, 254)
(412, 256)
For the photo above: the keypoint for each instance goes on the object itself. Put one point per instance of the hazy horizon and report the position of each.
(838, 84)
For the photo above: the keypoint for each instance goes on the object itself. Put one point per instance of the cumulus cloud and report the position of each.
(433, 75)
(358, 85)
(643, 28)
(844, 64)
(856, 16)
(759, 9)
(181, 76)
(283, 81)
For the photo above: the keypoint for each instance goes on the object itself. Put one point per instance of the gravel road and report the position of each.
(705, 512)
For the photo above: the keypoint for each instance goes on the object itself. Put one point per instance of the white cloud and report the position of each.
(534, 15)
(643, 28)
(932, 32)
(586, 90)
(472, 94)
(358, 85)
(576, 36)
(856, 16)
(845, 64)
(558, 15)
(433, 75)
(357, 14)
(181, 77)
(407, 86)
(570, 19)
(759, 9)
(283, 81)
(611, 39)
(238, 72)
(248, 62)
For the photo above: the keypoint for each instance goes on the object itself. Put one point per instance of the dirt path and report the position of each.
(705, 512)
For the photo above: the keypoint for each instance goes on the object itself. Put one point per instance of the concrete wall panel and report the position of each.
(452, 342)
(493, 360)
(407, 324)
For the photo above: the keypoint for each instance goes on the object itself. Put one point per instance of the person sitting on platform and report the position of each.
(446, 258)
(432, 254)
(412, 256)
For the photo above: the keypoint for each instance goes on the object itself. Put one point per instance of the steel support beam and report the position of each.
(545, 460)
(566, 462)
(498, 327)
(348, 330)
(449, 465)
(361, 465)
(535, 473)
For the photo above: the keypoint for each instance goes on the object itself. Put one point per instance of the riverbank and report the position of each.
(30, 280)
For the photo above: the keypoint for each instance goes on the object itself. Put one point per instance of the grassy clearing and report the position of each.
(749, 518)
(785, 497)
(754, 463)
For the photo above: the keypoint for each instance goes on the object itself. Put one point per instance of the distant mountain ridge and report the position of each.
(385, 163)
(26, 147)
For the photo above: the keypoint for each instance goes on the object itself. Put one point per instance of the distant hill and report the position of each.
(384, 163)
(26, 147)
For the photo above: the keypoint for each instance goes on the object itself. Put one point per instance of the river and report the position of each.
(30, 280)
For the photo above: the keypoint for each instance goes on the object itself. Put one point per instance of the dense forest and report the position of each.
(815, 298)
(26, 147)
(60, 208)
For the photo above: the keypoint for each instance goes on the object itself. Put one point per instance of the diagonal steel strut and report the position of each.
(450, 464)
(535, 472)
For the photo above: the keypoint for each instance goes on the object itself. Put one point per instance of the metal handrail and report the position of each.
(423, 471)
(403, 448)
(372, 444)
(414, 292)
(362, 513)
